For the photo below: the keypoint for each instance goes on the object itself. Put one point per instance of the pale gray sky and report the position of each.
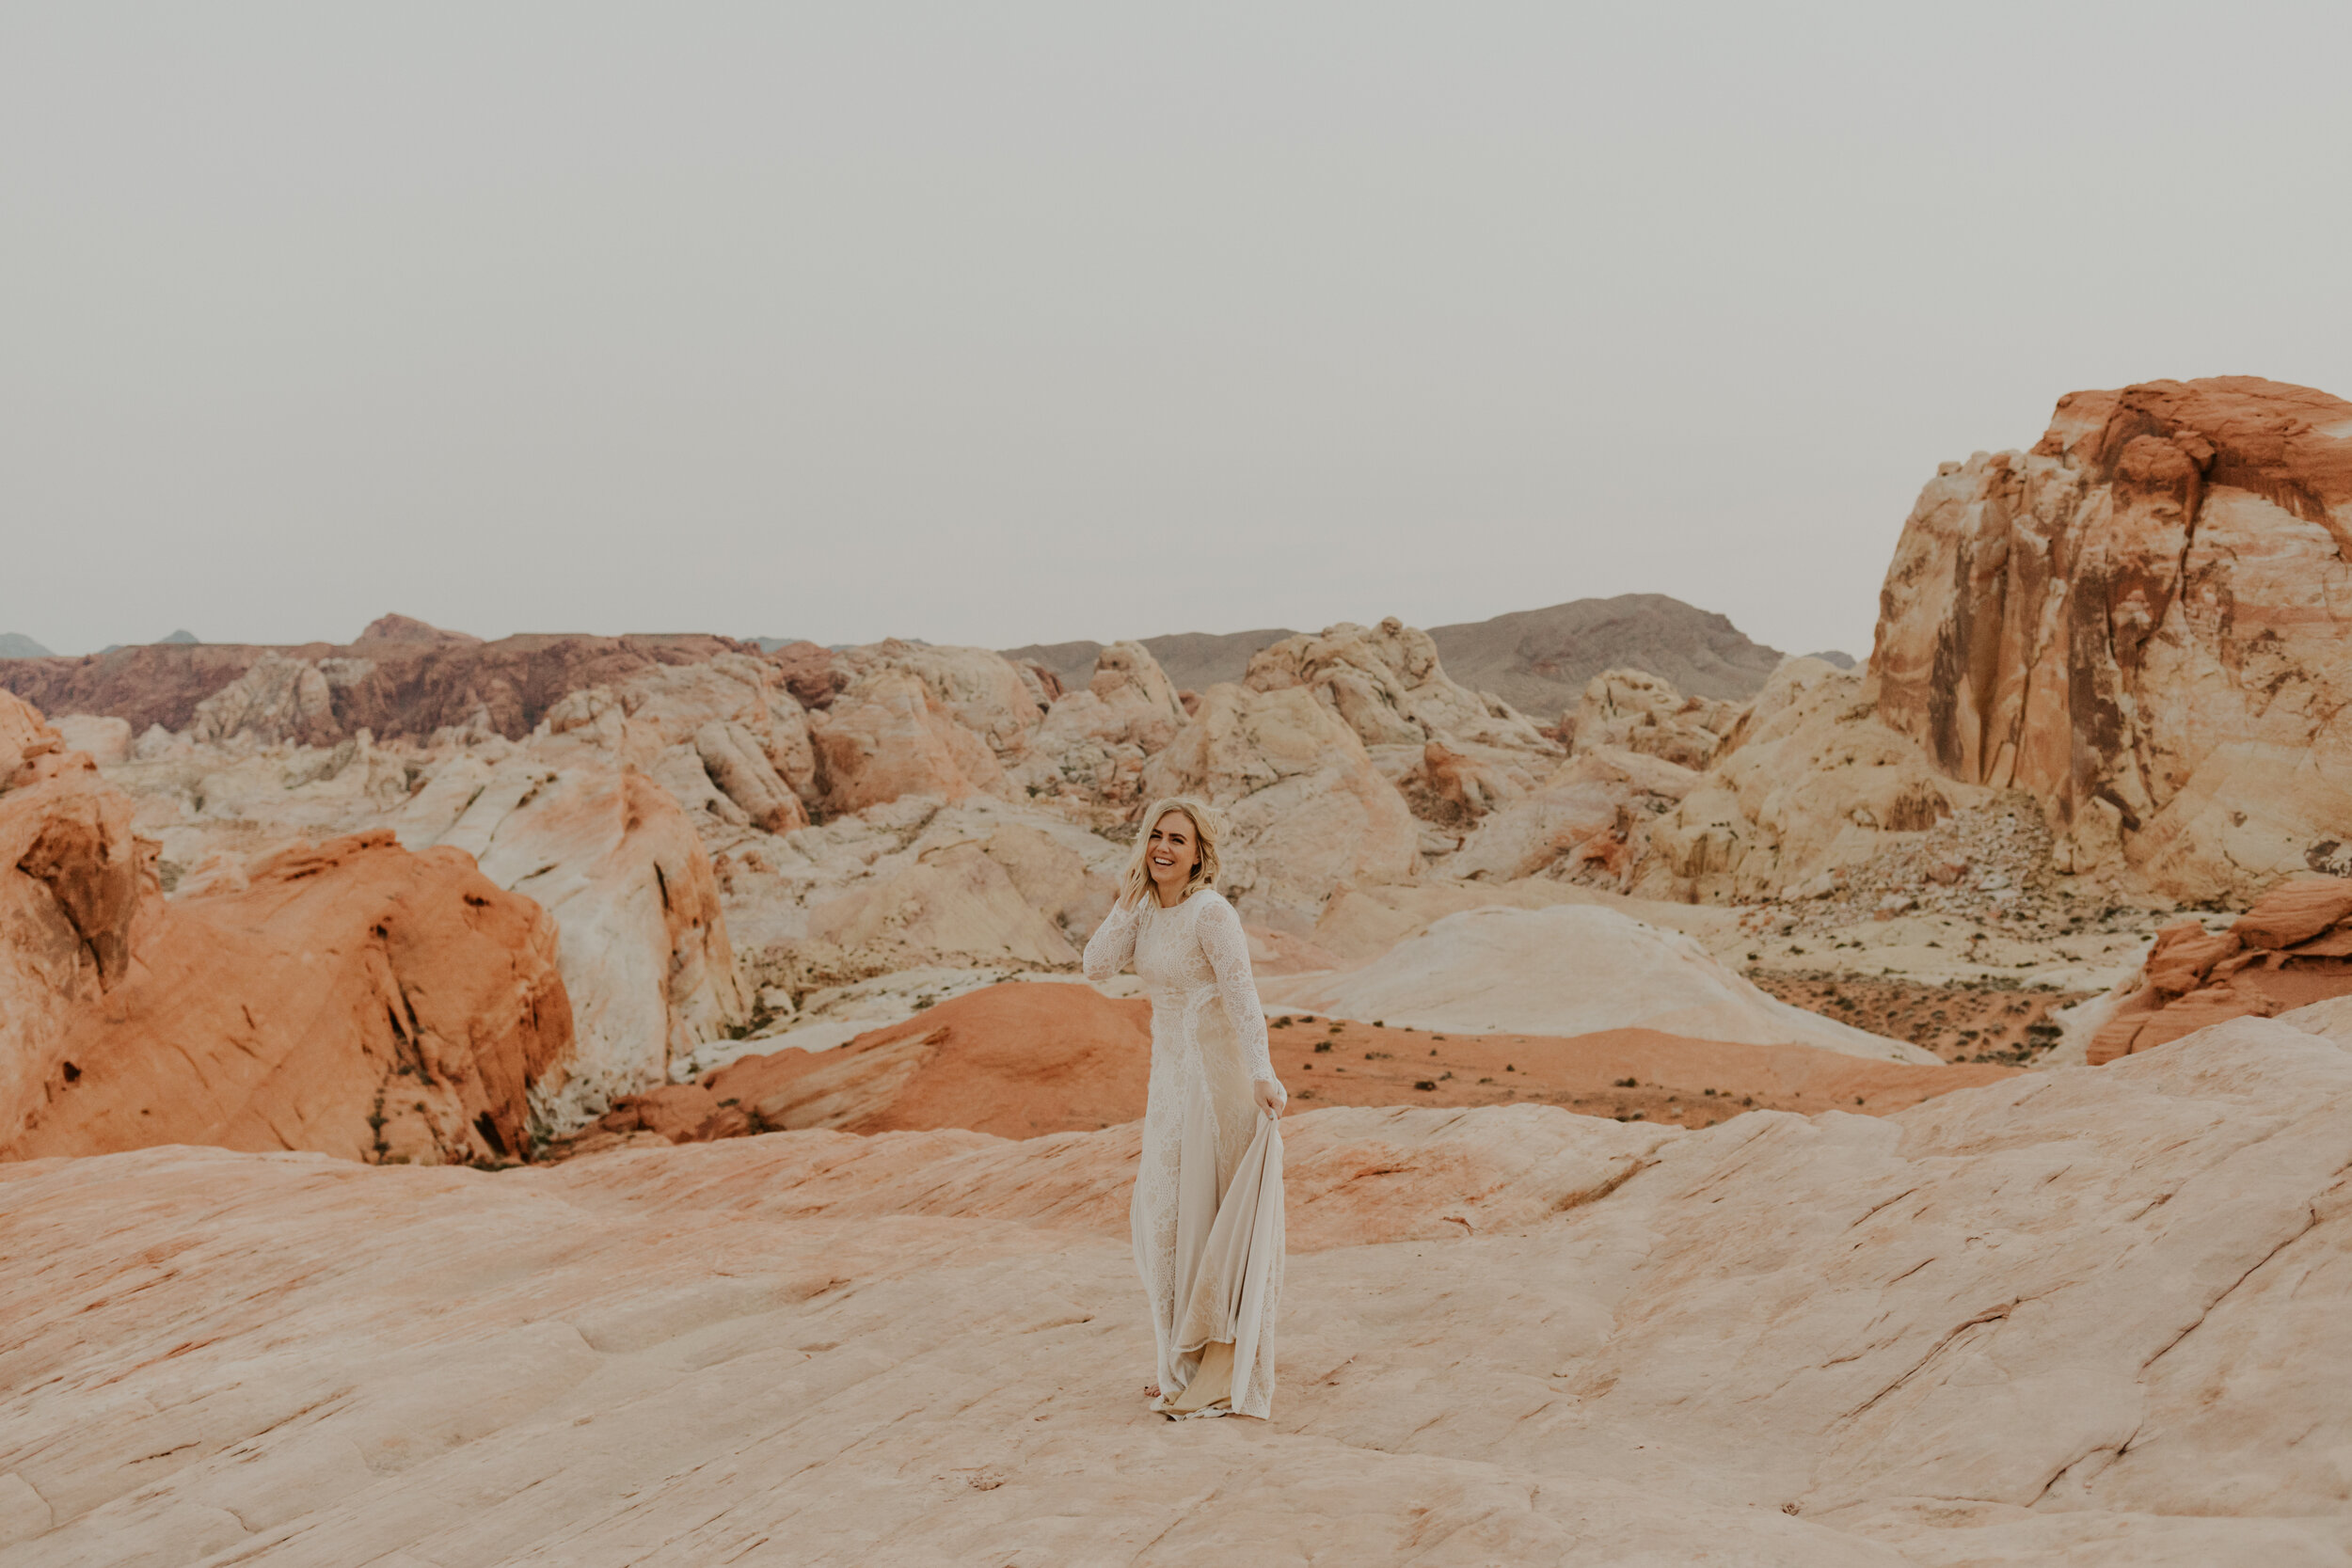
(1009, 323)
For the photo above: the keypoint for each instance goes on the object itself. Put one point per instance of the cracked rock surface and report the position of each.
(2088, 1316)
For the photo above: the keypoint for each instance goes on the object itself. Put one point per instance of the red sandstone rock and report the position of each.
(814, 674)
(74, 882)
(320, 692)
(1016, 1060)
(2293, 948)
(2143, 622)
(355, 999)
(888, 736)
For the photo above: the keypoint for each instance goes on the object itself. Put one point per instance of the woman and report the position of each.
(1207, 1212)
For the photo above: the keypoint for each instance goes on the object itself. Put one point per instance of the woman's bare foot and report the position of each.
(1151, 1390)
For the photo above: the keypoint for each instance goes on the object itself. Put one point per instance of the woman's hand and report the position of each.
(1269, 1096)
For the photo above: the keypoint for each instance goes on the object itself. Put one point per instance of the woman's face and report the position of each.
(1174, 850)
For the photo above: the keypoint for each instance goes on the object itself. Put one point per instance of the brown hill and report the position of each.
(1538, 660)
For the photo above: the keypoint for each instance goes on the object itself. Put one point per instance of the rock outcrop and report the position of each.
(1564, 971)
(889, 736)
(1094, 741)
(1635, 711)
(2292, 949)
(1807, 784)
(2142, 623)
(352, 999)
(981, 691)
(1387, 683)
(73, 883)
(2086, 1317)
(1308, 810)
(641, 938)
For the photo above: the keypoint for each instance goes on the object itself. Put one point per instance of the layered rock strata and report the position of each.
(2142, 621)
(353, 999)
(2082, 1317)
(2292, 949)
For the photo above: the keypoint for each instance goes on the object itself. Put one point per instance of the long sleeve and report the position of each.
(1112, 948)
(1227, 948)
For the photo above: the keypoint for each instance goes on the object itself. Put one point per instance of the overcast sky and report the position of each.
(1012, 322)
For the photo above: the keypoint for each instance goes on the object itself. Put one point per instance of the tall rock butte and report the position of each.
(2144, 621)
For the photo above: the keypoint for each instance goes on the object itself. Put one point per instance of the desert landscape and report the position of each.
(630, 1099)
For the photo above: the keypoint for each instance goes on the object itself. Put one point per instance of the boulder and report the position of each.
(1306, 811)
(1094, 741)
(1589, 822)
(979, 691)
(1809, 781)
(1635, 711)
(73, 881)
(1387, 682)
(1017, 1061)
(351, 999)
(1565, 971)
(2142, 622)
(2292, 949)
(279, 698)
(887, 735)
(737, 764)
(642, 938)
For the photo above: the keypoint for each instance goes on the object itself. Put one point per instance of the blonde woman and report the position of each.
(1207, 1212)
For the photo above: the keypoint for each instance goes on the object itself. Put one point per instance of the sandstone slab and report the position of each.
(2089, 1318)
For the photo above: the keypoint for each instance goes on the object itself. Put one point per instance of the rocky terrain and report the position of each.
(1537, 660)
(2089, 1315)
(1953, 1046)
(2139, 622)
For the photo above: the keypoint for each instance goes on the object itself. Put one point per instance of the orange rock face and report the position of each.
(1024, 1060)
(2142, 621)
(888, 736)
(2293, 948)
(71, 880)
(353, 998)
(1014, 1060)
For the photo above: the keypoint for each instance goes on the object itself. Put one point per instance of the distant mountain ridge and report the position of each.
(15, 644)
(419, 678)
(1195, 660)
(1537, 660)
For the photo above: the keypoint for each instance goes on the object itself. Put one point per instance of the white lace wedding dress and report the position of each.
(1207, 1212)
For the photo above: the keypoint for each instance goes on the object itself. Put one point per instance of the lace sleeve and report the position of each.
(1223, 943)
(1112, 948)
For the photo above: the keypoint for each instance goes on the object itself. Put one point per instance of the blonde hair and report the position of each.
(1207, 829)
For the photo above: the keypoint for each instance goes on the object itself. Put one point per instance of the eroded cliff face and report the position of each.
(2143, 622)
